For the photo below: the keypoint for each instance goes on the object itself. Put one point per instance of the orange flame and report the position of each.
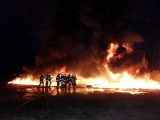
(28, 80)
(111, 51)
(120, 80)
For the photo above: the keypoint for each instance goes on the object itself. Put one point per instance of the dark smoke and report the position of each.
(76, 34)
(127, 60)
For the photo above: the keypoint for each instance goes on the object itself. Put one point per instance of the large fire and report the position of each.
(28, 80)
(122, 80)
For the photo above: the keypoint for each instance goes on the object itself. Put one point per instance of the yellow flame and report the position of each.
(121, 80)
(111, 51)
(28, 80)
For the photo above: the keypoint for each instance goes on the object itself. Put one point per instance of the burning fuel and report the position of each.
(121, 71)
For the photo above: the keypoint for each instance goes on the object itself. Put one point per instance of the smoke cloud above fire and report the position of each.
(75, 35)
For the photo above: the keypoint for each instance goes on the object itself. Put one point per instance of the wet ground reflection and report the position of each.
(31, 92)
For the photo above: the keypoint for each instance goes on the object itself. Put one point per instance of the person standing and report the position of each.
(41, 80)
(48, 80)
(74, 79)
(69, 80)
(58, 77)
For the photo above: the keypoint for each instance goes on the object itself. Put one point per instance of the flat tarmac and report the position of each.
(19, 102)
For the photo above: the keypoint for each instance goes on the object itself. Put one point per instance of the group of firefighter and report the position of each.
(48, 80)
(63, 80)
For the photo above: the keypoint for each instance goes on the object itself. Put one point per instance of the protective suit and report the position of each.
(58, 79)
(48, 80)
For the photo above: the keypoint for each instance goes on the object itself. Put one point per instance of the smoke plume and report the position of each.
(77, 34)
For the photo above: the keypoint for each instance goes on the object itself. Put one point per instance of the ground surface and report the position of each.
(31, 103)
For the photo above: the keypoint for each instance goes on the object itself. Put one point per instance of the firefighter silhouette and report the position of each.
(41, 80)
(63, 81)
(69, 81)
(48, 80)
(74, 78)
(58, 79)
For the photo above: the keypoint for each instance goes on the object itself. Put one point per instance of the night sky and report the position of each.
(43, 33)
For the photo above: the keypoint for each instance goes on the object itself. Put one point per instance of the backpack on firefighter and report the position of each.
(63, 81)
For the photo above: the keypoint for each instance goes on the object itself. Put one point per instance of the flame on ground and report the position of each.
(121, 80)
(28, 80)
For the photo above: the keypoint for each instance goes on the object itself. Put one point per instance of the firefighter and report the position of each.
(69, 80)
(58, 79)
(63, 81)
(74, 78)
(41, 80)
(48, 79)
